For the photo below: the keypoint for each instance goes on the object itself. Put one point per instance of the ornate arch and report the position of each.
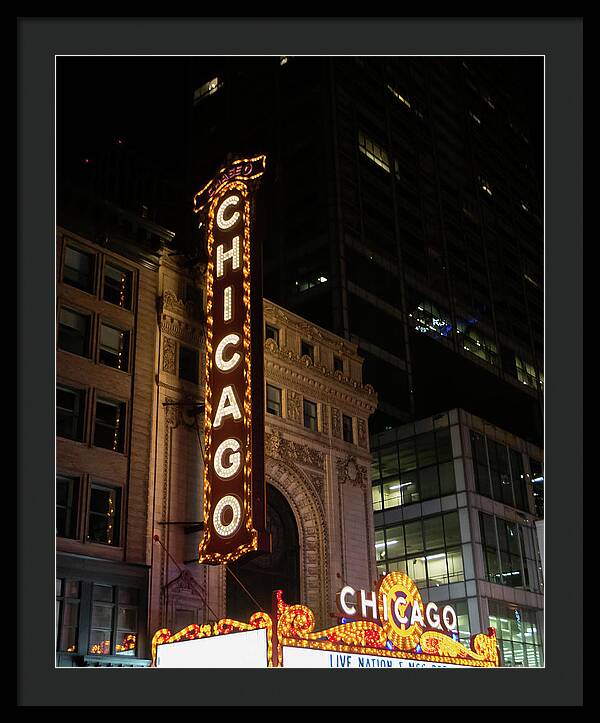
(304, 499)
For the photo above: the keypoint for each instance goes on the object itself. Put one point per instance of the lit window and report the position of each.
(428, 320)
(477, 343)
(109, 429)
(117, 286)
(104, 515)
(207, 89)
(485, 185)
(400, 98)
(114, 621)
(373, 151)
(310, 281)
(114, 347)
(526, 373)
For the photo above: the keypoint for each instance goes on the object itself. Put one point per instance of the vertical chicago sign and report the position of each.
(234, 484)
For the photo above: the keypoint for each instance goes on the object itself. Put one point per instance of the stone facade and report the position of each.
(323, 473)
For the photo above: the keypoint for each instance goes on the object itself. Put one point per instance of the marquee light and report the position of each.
(234, 485)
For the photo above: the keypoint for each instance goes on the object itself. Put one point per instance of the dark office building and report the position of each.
(402, 206)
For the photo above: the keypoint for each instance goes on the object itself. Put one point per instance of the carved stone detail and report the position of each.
(270, 345)
(280, 448)
(170, 302)
(362, 433)
(336, 423)
(318, 482)
(169, 356)
(305, 362)
(348, 470)
(180, 330)
(294, 404)
(325, 419)
(172, 413)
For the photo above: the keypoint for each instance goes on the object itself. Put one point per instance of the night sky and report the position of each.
(146, 101)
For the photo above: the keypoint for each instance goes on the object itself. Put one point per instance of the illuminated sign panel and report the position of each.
(234, 484)
(244, 650)
(398, 631)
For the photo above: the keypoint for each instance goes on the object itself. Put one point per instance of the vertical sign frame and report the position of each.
(234, 483)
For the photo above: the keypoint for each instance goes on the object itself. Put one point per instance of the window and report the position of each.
(347, 429)
(373, 151)
(117, 286)
(67, 497)
(399, 97)
(338, 364)
(114, 347)
(212, 86)
(273, 400)
(78, 269)
(428, 550)
(310, 415)
(518, 634)
(416, 469)
(510, 553)
(109, 430)
(74, 332)
(70, 405)
(477, 343)
(309, 282)
(526, 372)
(307, 349)
(189, 364)
(68, 597)
(114, 621)
(272, 332)
(104, 514)
(499, 472)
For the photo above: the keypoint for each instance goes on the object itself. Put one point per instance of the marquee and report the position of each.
(404, 633)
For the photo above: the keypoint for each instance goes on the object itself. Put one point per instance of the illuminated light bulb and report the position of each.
(227, 366)
(235, 458)
(221, 222)
(228, 405)
(231, 502)
(233, 254)
(228, 303)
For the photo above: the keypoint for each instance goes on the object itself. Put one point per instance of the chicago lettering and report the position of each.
(363, 604)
